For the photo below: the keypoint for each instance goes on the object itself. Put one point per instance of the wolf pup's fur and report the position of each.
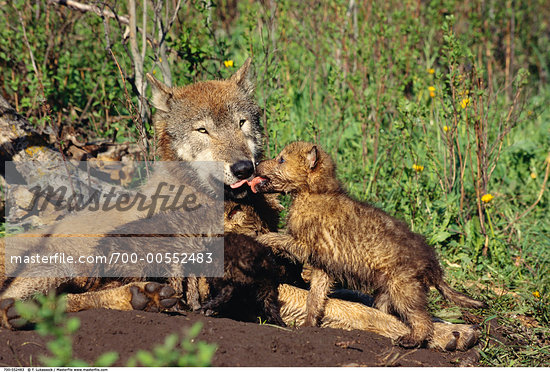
(250, 280)
(252, 273)
(354, 243)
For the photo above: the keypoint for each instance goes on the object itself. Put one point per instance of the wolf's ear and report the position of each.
(161, 93)
(312, 157)
(243, 77)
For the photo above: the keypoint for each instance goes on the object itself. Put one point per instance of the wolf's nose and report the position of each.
(242, 169)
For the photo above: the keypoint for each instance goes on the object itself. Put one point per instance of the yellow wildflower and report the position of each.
(154, 72)
(431, 71)
(536, 294)
(487, 198)
(418, 168)
(432, 91)
(465, 102)
(533, 175)
(228, 63)
(446, 129)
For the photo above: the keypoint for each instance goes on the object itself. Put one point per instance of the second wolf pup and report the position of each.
(250, 277)
(352, 242)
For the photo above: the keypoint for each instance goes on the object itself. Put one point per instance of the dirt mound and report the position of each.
(239, 344)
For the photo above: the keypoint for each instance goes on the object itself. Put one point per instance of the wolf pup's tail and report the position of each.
(457, 297)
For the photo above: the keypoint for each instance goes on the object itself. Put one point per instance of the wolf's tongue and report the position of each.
(238, 184)
(254, 182)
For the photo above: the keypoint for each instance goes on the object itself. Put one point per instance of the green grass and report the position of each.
(362, 90)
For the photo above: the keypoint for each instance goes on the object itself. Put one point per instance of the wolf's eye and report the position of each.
(281, 160)
(242, 122)
(202, 130)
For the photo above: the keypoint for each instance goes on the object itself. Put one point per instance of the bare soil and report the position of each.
(239, 343)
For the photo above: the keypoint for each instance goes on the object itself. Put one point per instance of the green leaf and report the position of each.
(440, 236)
(106, 359)
(77, 363)
(194, 330)
(146, 359)
(27, 310)
(73, 324)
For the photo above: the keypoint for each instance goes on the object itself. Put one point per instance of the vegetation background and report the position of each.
(436, 111)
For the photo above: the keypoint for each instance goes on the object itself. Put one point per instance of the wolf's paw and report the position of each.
(152, 297)
(454, 337)
(9, 318)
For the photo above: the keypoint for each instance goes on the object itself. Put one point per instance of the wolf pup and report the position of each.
(352, 242)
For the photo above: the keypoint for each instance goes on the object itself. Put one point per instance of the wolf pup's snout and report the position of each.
(242, 169)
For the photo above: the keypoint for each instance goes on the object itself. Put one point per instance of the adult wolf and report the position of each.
(214, 120)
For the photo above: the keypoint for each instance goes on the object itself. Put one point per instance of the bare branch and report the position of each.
(174, 16)
(31, 55)
(91, 8)
(134, 49)
(104, 13)
(162, 31)
(162, 57)
(139, 82)
(144, 31)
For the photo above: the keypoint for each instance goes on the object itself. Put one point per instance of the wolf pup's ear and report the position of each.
(243, 77)
(161, 93)
(312, 157)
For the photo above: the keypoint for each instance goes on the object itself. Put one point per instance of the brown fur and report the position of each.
(171, 119)
(251, 276)
(354, 243)
(232, 118)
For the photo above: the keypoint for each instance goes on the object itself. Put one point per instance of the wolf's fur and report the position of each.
(198, 122)
(229, 143)
(352, 242)
(207, 121)
(251, 272)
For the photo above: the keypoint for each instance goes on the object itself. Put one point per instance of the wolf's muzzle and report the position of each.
(242, 169)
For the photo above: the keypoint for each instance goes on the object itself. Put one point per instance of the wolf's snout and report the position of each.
(242, 169)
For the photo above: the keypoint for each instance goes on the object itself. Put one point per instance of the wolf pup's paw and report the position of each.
(152, 297)
(9, 318)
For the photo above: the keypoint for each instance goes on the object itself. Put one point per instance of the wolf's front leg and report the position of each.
(147, 296)
(22, 288)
